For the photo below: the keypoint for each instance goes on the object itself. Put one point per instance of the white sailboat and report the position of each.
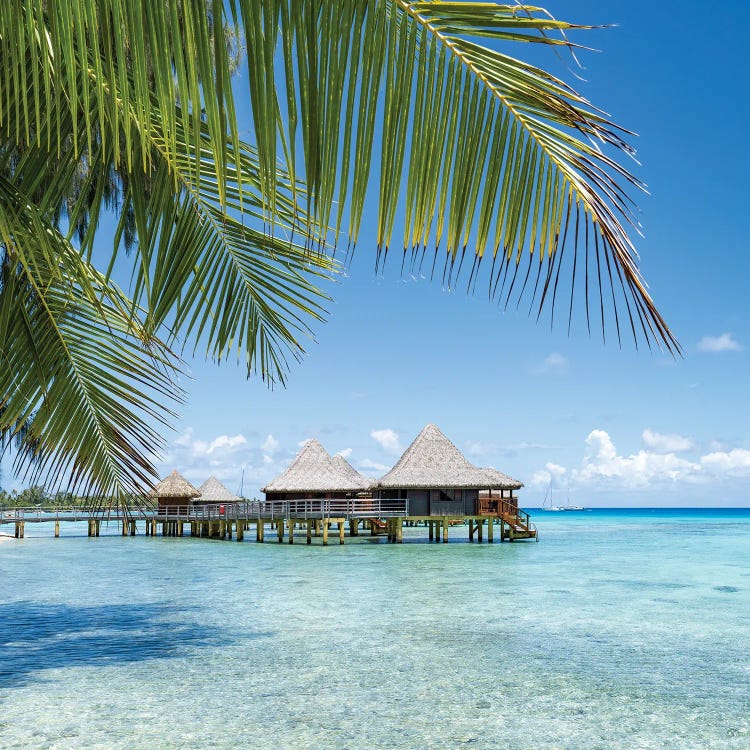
(548, 505)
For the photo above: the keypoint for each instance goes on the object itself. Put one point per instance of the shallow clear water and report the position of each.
(618, 630)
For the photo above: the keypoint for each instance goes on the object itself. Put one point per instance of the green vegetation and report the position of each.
(131, 105)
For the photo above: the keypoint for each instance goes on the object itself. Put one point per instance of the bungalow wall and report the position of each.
(436, 502)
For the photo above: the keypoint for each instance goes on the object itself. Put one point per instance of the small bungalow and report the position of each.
(437, 480)
(173, 491)
(314, 474)
(213, 492)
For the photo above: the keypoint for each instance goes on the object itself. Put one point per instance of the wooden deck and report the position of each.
(283, 518)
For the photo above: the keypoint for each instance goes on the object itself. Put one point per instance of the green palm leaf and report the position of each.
(80, 387)
(481, 151)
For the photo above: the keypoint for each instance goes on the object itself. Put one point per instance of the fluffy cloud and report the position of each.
(270, 445)
(553, 364)
(732, 463)
(388, 440)
(660, 443)
(602, 465)
(551, 474)
(367, 465)
(344, 453)
(230, 457)
(657, 465)
(724, 343)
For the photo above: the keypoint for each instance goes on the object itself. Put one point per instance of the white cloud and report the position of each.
(732, 463)
(344, 453)
(186, 438)
(724, 343)
(270, 445)
(603, 466)
(657, 465)
(553, 364)
(388, 440)
(551, 474)
(660, 443)
(479, 448)
(367, 465)
(224, 443)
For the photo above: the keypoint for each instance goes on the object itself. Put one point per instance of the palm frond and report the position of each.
(80, 386)
(482, 152)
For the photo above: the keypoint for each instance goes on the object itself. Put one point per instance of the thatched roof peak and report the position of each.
(213, 491)
(175, 485)
(313, 470)
(433, 461)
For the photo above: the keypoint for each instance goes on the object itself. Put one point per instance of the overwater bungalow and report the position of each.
(213, 492)
(438, 480)
(314, 474)
(174, 491)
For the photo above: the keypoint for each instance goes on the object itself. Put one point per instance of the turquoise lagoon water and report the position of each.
(619, 629)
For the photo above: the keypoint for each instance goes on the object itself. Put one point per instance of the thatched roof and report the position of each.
(499, 481)
(313, 470)
(213, 491)
(174, 486)
(433, 461)
(348, 470)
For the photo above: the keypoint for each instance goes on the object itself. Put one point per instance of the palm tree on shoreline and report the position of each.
(418, 107)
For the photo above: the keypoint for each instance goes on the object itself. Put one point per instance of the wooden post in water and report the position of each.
(341, 532)
(325, 532)
(480, 528)
(57, 529)
(445, 531)
(490, 530)
(432, 529)
(280, 530)
(124, 527)
(471, 530)
(290, 529)
(240, 531)
(399, 524)
(309, 532)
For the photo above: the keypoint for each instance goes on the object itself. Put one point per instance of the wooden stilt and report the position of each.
(309, 532)
(341, 532)
(399, 530)
(431, 526)
(325, 532)
(57, 529)
(240, 531)
(490, 530)
(471, 530)
(445, 531)
(280, 530)
(290, 525)
(132, 528)
(480, 527)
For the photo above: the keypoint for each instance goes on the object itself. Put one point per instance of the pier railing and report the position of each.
(270, 510)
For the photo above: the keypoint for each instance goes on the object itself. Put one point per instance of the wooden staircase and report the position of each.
(516, 522)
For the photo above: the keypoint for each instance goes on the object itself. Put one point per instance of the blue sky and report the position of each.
(619, 427)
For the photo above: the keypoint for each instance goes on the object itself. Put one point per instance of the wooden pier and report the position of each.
(313, 518)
